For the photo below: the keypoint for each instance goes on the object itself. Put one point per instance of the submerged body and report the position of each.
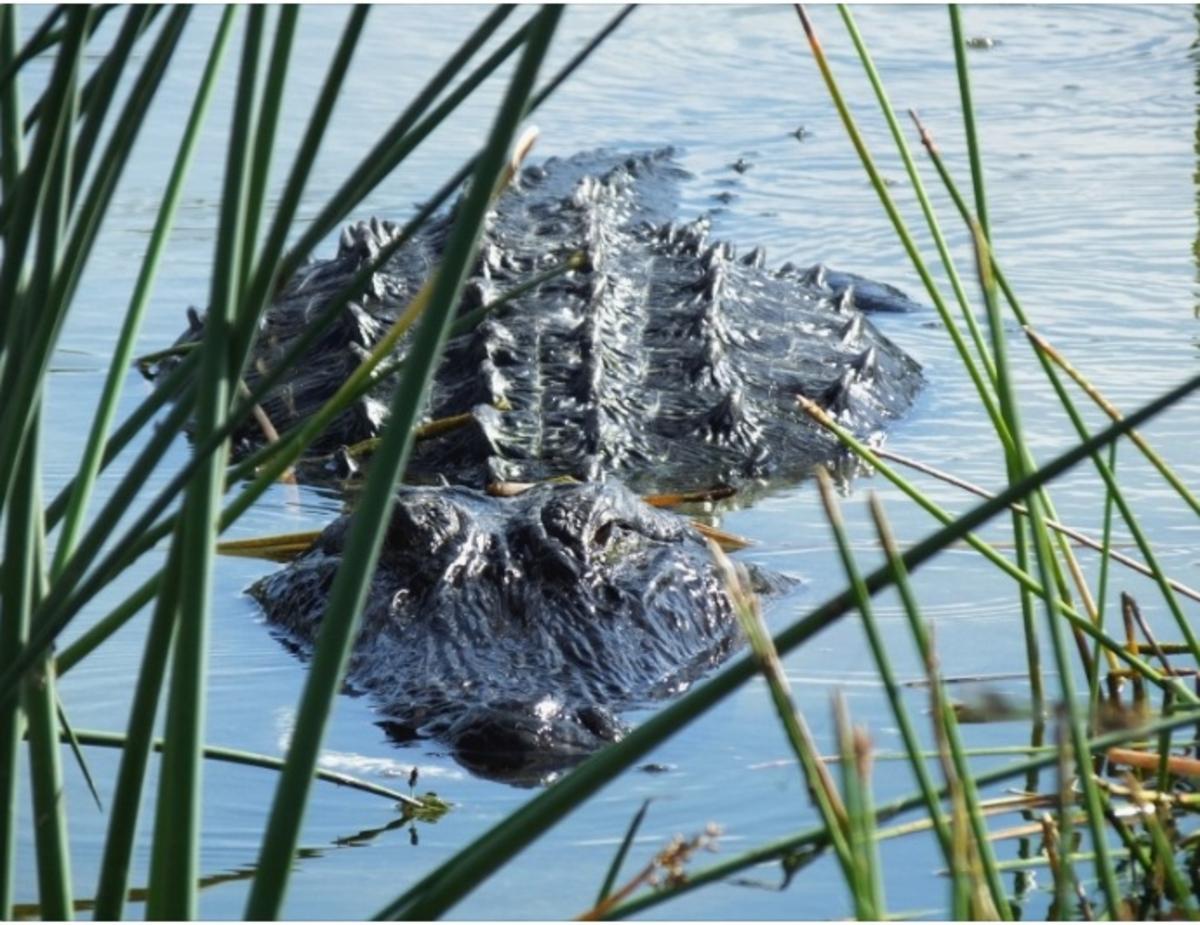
(514, 630)
(669, 361)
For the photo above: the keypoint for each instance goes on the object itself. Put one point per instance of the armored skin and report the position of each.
(669, 361)
(515, 630)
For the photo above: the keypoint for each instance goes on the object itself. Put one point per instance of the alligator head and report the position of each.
(515, 630)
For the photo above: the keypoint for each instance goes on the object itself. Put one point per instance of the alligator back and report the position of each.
(672, 361)
(669, 360)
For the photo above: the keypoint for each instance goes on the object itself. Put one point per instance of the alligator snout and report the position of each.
(515, 629)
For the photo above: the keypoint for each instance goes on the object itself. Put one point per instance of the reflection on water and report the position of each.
(1088, 118)
(1196, 174)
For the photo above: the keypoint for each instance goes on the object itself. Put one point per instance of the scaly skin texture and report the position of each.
(513, 630)
(669, 361)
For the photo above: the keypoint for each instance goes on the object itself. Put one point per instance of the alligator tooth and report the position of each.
(756, 257)
(815, 276)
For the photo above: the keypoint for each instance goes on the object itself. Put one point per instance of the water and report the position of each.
(1089, 119)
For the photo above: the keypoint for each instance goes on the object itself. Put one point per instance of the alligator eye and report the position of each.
(603, 534)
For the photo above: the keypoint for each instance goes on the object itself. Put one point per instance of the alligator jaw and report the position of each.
(515, 629)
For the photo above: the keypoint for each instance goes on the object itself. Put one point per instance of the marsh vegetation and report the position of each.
(1083, 674)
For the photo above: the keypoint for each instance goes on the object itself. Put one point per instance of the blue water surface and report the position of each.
(1088, 118)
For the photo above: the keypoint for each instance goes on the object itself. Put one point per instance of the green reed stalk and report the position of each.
(457, 876)
(819, 782)
(866, 888)
(1031, 642)
(174, 385)
(1077, 620)
(42, 38)
(815, 839)
(13, 618)
(404, 134)
(366, 533)
(87, 218)
(912, 745)
(112, 885)
(968, 110)
(23, 561)
(910, 247)
(918, 186)
(1111, 410)
(38, 694)
(1020, 466)
(266, 269)
(614, 868)
(87, 97)
(1072, 412)
(1161, 849)
(1102, 580)
(89, 466)
(104, 84)
(944, 718)
(30, 187)
(99, 739)
(174, 862)
(266, 124)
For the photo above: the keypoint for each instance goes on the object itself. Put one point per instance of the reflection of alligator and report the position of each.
(669, 361)
(513, 629)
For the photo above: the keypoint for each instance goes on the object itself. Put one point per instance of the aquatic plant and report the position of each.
(61, 159)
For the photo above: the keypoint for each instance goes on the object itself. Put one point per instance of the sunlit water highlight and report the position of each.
(1089, 123)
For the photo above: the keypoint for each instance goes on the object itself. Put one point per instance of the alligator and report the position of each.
(667, 360)
(514, 630)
